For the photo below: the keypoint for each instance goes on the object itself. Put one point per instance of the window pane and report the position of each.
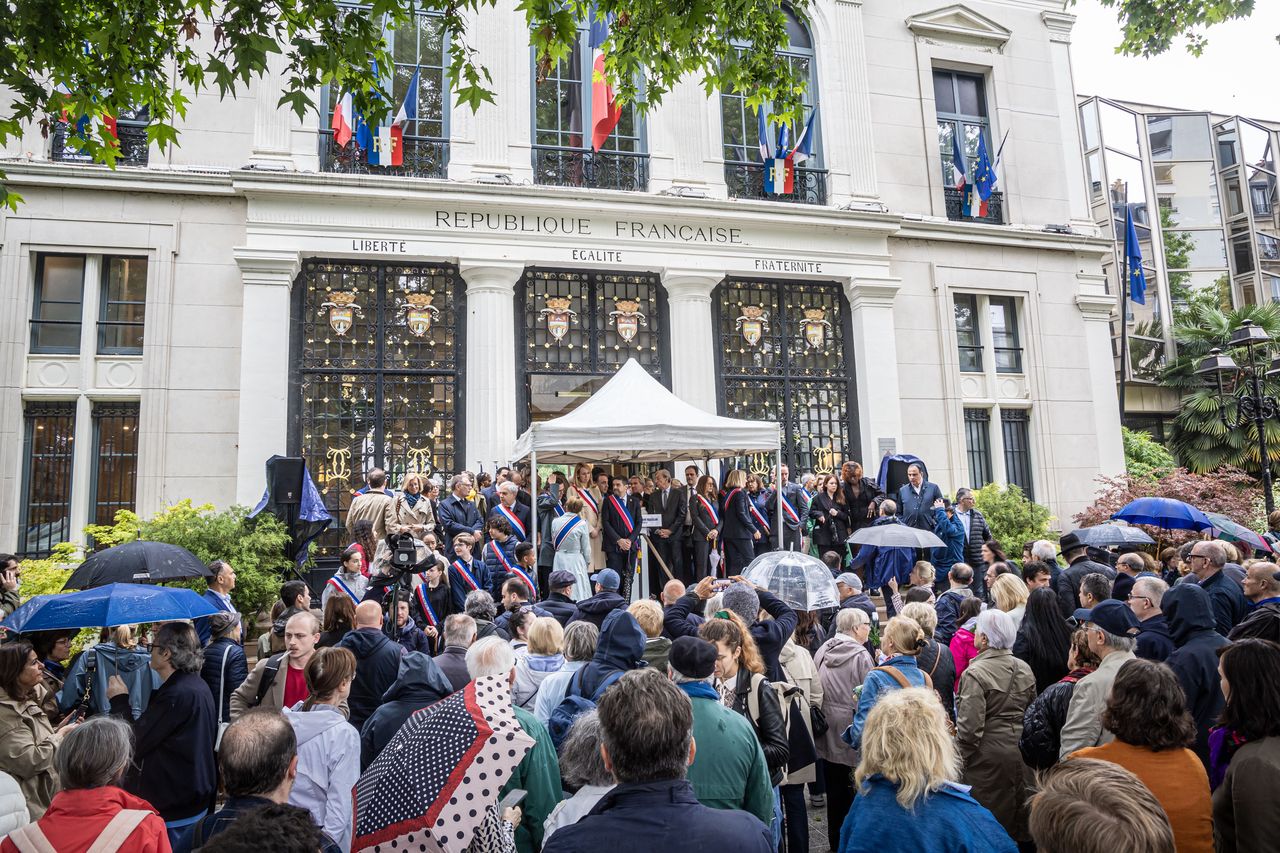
(1191, 193)
(1089, 124)
(1241, 254)
(1256, 144)
(1179, 137)
(123, 305)
(56, 308)
(977, 432)
(973, 101)
(116, 464)
(63, 279)
(1002, 314)
(969, 344)
(1093, 162)
(944, 94)
(1227, 146)
(1119, 129)
(946, 131)
(49, 452)
(1015, 424)
(1201, 248)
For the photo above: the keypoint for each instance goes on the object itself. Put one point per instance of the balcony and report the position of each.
(955, 207)
(423, 157)
(746, 180)
(133, 144)
(601, 170)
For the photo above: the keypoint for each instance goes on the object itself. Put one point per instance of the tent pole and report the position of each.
(778, 485)
(533, 484)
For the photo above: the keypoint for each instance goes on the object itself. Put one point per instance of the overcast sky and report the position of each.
(1236, 74)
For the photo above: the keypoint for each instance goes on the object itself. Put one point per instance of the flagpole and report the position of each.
(1124, 306)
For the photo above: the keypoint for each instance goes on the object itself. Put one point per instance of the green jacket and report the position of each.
(539, 774)
(728, 770)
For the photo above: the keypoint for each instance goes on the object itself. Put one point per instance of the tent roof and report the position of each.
(633, 418)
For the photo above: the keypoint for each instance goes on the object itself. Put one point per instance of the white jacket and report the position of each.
(328, 767)
(13, 806)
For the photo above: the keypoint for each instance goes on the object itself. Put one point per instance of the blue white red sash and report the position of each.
(338, 584)
(622, 511)
(511, 568)
(587, 499)
(711, 510)
(517, 526)
(559, 510)
(564, 531)
(789, 509)
(755, 513)
(466, 575)
(432, 619)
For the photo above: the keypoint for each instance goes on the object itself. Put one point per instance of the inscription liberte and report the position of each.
(582, 227)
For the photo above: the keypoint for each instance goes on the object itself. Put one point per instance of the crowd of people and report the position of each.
(1073, 700)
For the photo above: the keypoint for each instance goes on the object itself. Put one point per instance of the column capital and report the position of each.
(1059, 25)
(1093, 300)
(690, 285)
(873, 292)
(267, 267)
(491, 277)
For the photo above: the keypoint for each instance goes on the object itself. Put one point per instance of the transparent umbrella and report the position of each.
(802, 581)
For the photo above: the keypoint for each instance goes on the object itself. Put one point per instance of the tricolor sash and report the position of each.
(559, 510)
(469, 578)
(338, 584)
(517, 526)
(564, 531)
(511, 568)
(755, 513)
(788, 508)
(587, 499)
(432, 619)
(711, 510)
(622, 511)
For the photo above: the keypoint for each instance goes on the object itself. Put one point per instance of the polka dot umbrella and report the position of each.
(435, 785)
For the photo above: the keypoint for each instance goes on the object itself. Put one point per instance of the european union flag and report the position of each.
(1133, 259)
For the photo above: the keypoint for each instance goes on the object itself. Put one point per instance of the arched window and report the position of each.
(740, 130)
(563, 102)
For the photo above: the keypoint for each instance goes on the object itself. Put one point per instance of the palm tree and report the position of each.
(1199, 438)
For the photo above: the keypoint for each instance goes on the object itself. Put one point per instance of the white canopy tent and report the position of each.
(633, 418)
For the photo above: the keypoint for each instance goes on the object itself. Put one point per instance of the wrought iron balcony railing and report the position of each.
(133, 144)
(955, 207)
(746, 180)
(603, 170)
(423, 157)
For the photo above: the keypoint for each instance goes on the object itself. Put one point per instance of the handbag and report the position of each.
(819, 721)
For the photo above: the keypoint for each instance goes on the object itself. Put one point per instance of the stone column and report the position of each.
(490, 395)
(264, 364)
(1059, 25)
(848, 130)
(272, 124)
(692, 336)
(875, 353)
(1096, 306)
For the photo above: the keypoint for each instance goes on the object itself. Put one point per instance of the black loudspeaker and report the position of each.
(286, 480)
(895, 479)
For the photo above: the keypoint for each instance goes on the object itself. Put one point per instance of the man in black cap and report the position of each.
(728, 770)
(1110, 629)
(560, 603)
(1076, 553)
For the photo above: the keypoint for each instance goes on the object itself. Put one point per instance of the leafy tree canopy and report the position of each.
(1014, 518)
(1151, 26)
(1144, 456)
(111, 56)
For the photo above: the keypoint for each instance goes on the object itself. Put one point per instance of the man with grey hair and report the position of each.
(459, 634)
(947, 606)
(1155, 642)
(538, 773)
(1128, 568)
(1109, 628)
(515, 513)
(457, 514)
(480, 607)
(1207, 560)
(646, 728)
(729, 771)
(1262, 588)
(580, 639)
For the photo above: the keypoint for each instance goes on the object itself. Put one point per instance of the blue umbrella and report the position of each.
(1166, 513)
(107, 606)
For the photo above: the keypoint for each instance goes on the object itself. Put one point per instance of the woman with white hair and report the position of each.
(994, 692)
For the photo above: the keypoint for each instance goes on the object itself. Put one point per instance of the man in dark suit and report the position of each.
(459, 515)
(670, 501)
(975, 533)
(516, 514)
(1076, 553)
(916, 499)
(620, 526)
(491, 493)
(795, 510)
(218, 593)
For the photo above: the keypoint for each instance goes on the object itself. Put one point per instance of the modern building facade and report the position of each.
(169, 325)
(1203, 194)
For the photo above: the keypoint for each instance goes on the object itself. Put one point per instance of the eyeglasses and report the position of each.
(1131, 597)
(1197, 557)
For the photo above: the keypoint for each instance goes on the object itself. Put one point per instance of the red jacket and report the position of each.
(76, 818)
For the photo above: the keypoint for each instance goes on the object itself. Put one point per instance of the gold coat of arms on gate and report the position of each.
(558, 315)
(815, 328)
(342, 311)
(627, 318)
(420, 313)
(753, 323)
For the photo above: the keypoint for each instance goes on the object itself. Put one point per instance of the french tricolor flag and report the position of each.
(605, 111)
(344, 122)
(957, 162)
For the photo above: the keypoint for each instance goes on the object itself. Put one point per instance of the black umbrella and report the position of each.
(137, 562)
(895, 536)
(1109, 535)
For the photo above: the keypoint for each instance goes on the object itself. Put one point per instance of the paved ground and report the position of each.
(818, 830)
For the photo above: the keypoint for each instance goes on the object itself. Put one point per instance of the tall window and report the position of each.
(1003, 315)
(115, 473)
(977, 434)
(1016, 428)
(122, 306)
(48, 458)
(418, 46)
(377, 350)
(562, 110)
(961, 104)
(968, 335)
(58, 304)
(783, 358)
(579, 328)
(740, 128)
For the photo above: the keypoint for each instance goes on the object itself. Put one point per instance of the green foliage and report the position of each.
(1013, 518)
(1150, 27)
(1200, 439)
(104, 56)
(1144, 456)
(47, 576)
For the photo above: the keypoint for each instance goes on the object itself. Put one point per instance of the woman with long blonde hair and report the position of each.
(1009, 593)
(411, 512)
(908, 796)
(585, 490)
